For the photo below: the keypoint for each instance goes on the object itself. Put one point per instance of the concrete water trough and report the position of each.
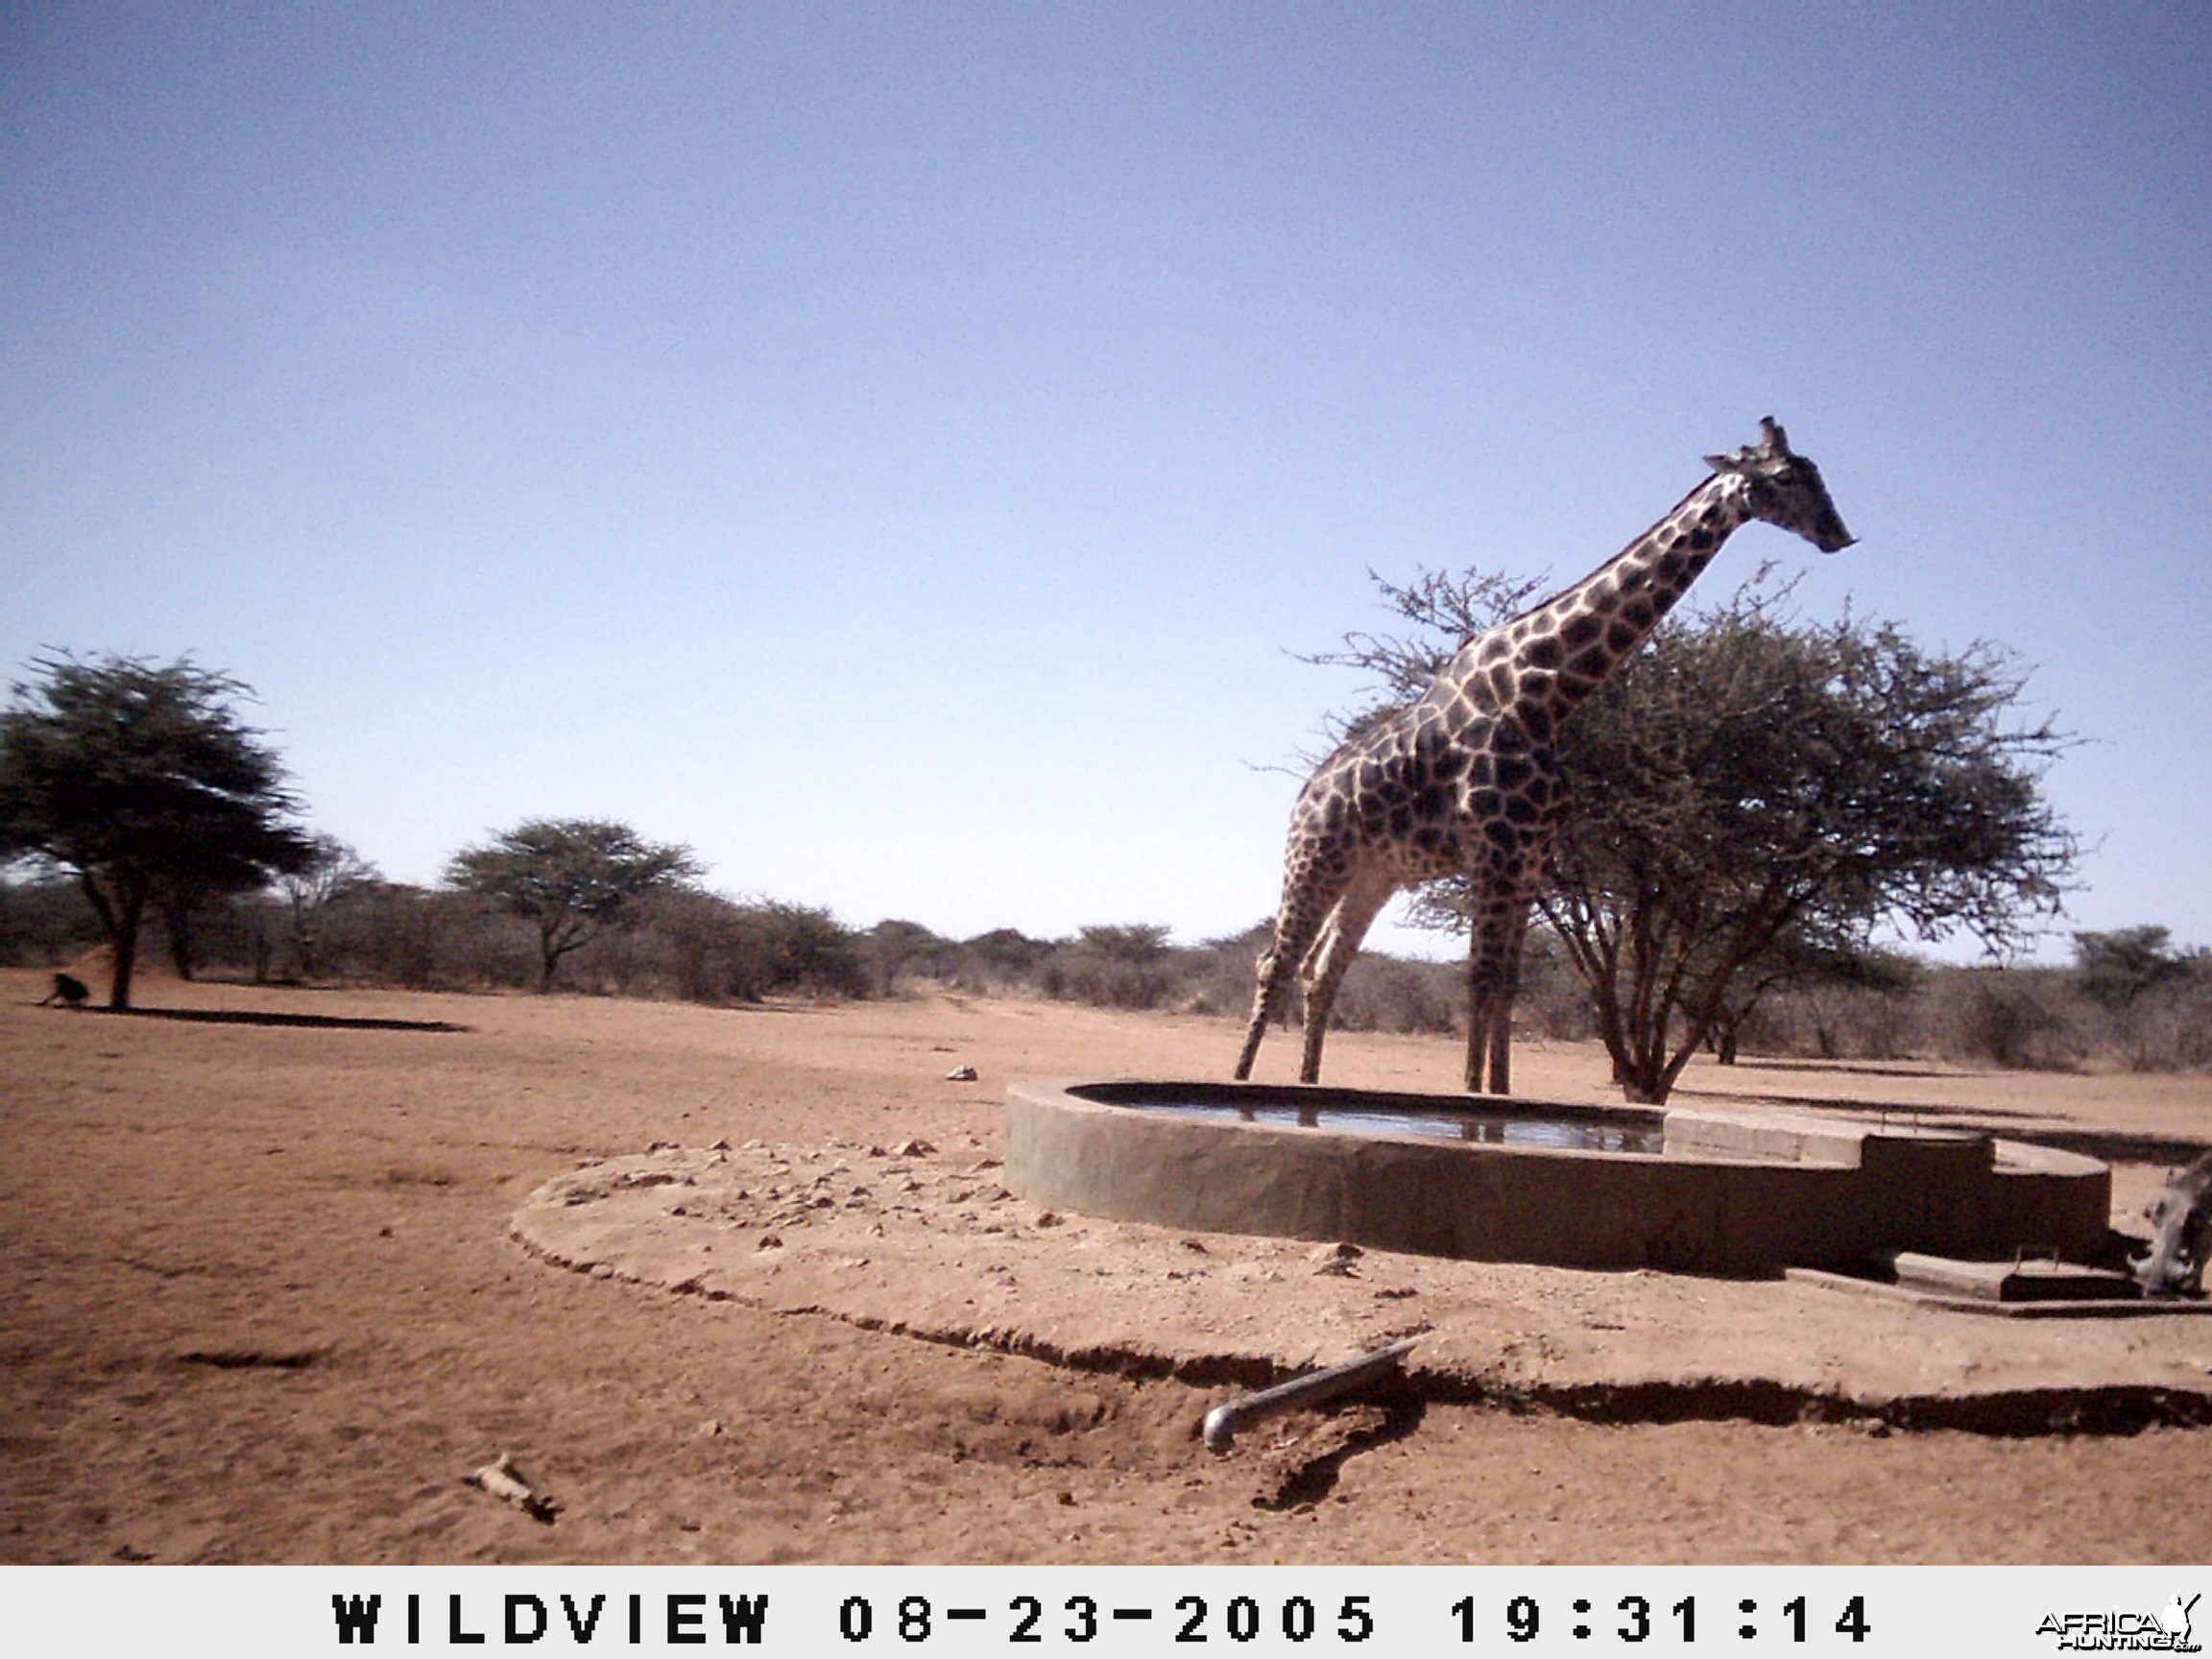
(1686, 1190)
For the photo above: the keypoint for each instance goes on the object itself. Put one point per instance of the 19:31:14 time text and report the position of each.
(1637, 1620)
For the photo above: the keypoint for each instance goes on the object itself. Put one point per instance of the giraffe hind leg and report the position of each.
(1331, 955)
(1277, 967)
(1261, 1008)
(1274, 976)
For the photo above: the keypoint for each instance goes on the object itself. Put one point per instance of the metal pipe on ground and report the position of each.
(1311, 1389)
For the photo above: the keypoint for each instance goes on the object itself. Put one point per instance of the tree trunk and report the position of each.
(124, 936)
(177, 918)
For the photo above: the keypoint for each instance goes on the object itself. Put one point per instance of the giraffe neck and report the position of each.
(1545, 662)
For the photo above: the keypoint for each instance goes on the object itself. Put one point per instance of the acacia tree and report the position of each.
(332, 874)
(1752, 792)
(2117, 968)
(570, 876)
(1122, 964)
(140, 781)
(1797, 962)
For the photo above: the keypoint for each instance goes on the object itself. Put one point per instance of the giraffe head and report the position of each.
(1784, 489)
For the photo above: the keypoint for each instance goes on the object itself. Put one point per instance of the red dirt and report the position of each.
(263, 1305)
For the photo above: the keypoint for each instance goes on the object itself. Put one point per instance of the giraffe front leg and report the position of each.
(1489, 1043)
(1481, 1021)
(1493, 976)
(1501, 1009)
(1501, 1048)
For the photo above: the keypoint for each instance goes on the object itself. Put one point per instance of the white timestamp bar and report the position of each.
(153, 1609)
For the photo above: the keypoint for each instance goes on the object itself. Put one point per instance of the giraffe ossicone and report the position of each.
(1464, 780)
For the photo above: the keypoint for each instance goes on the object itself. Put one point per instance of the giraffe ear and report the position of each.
(1773, 445)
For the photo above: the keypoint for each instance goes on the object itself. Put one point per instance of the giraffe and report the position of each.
(1465, 780)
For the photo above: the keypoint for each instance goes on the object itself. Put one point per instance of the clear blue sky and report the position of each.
(897, 449)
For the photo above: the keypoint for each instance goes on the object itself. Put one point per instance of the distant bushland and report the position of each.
(2130, 1001)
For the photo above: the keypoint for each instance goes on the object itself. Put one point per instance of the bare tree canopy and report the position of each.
(570, 875)
(1753, 791)
(333, 873)
(140, 781)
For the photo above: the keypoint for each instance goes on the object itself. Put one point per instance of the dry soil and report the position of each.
(267, 1298)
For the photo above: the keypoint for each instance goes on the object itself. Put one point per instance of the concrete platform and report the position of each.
(931, 1244)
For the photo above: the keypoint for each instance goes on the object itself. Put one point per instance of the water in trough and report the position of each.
(1491, 1128)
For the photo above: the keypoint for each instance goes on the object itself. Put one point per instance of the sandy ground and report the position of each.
(272, 1290)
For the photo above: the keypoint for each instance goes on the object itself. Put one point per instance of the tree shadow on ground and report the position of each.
(1852, 1068)
(307, 1022)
